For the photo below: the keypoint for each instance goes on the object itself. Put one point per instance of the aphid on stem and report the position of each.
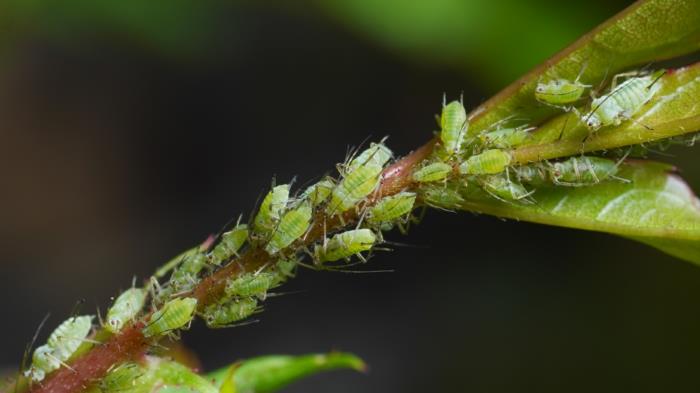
(125, 308)
(432, 172)
(489, 162)
(175, 314)
(560, 92)
(454, 126)
(344, 245)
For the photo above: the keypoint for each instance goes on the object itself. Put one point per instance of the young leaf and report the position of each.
(271, 373)
(674, 110)
(656, 207)
(633, 37)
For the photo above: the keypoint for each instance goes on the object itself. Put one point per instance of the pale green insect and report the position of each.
(185, 276)
(250, 284)
(442, 197)
(128, 377)
(166, 373)
(292, 226)
(432, 172)
(224, 315)
(534, 174)
(623, 101)
(354, 187)
(271, 209)
(505, 138)
(284, 269)
(503, 188)
(345, 245)
(229, 244)
(391, 208)
(490, 162)
(559, 92)
(125, 308)
(454, 126)
(319, 192)
(266, 374)
(583, 171)
(173, 315)
(377, 155)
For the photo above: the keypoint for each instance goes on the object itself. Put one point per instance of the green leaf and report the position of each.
(656, 207)
(647, 31)
(673, 111)
(273, 372)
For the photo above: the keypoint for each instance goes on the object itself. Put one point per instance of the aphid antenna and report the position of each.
(244, 323)
(76, 308)
(362, 271)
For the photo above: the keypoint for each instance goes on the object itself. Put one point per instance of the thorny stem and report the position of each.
(131, 344)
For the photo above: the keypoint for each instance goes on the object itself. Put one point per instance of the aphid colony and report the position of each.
(484, 159)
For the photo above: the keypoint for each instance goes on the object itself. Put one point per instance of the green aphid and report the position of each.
(229, 244)
(344, 245)
(391, 208)
(291, 227)
(354, 187)
(454, 126)
(623, 101)
(251, 284)
(534, 174)
(225, 314)
(125, 309)
(376, 155)
(503, 188)
(560, 92)
(506, 138)
(490, 162)
(175, 262)
(271, 209)
(318, 193)
(267, 374)
(284, 269)
(441, 197)
(173, 315)
(169, 373)
(432, 172)
(128, 377)
(582, 171)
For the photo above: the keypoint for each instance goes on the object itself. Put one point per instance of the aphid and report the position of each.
(534, 174)
(392, 207)
(284, 269)
(173, 315)
(250, 284)
(582, 171)
(560, 92)
(168, 373)
(377, 155)
(506, 138)
(503, 188)
(432, 172)
(454, 126)
(345, 245)
(623, 101)
(229, 244)
(270, 209)
(173, 263)
(60, 346)
(68, 336)
(319, 192)
(223, 315)
(292, 226)
(354, 187)
(125, 308)
(490, 162)
(126, 378)
(441, 197)
(185, 276)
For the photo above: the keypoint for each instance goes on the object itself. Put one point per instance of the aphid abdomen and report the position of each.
(319, 192)
(454, 126)
(391, 208)
(441, 197)
(502, 187)
(506, 138)
(68, 336)
(490, 162)
(376, 155)
(292, 226)
(531, 174)
(354, 187)
(223, 315)
(250, 284)
(125, 378)
(582, 171)
(229, 244)
(270, 210)
(125, 308)
(173, 315)
(345, 244)
(559, 92)
(432, 172)
(44, 361)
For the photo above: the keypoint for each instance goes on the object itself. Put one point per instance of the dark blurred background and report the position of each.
(130, 130)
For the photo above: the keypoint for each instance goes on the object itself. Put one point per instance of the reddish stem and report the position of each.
(131, 344)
